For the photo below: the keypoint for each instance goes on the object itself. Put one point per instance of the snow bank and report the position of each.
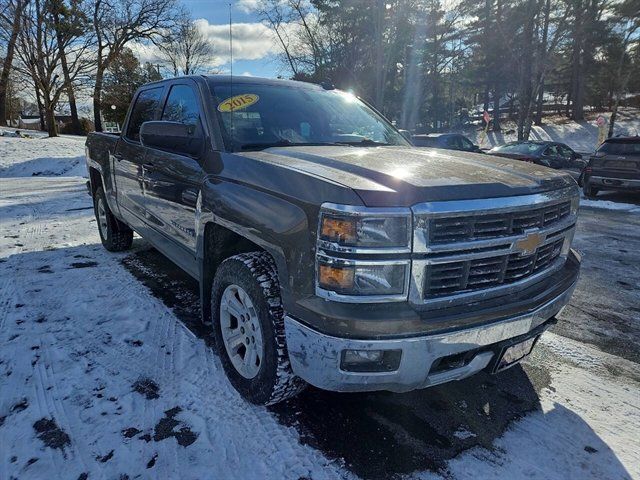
(609, 205)
(42, 156)
(581, 136)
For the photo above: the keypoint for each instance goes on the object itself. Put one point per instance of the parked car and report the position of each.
(327, 249)
(614, 166)
(447, 141)
(548, 154)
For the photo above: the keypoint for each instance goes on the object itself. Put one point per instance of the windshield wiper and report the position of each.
(284, 143)
(365, 142)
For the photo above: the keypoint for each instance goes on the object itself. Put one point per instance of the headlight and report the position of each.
(363, 278)
(342, 228)
(362, 234)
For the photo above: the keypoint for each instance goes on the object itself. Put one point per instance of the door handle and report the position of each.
(118, 157)
(189, 197)
(148, 166)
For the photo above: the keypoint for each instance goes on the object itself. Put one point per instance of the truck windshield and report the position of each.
(621, 147)
(257, 116)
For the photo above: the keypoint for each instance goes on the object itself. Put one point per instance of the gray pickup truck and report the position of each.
(329, 250)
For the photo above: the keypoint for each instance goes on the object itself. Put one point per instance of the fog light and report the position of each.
(362, 356)
(370, 360)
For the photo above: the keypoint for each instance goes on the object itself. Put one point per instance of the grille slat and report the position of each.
(463, 276)
(481, 226)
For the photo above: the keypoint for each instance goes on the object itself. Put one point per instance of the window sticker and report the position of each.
(239, 102)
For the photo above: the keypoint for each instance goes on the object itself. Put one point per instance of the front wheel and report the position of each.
(248, 326)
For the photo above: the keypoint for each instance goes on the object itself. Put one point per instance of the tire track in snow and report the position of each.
(7, 293)
(47, 389)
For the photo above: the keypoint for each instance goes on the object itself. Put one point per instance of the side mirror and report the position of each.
(407, 135)
(171, 136)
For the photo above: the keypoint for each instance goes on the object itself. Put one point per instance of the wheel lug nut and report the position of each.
(242, 330)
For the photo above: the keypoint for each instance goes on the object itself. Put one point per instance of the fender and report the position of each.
(275, 224)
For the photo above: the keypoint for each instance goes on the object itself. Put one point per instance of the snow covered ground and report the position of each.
(100, 377)
(42, 156)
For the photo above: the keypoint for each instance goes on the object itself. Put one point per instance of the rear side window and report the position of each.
(565, 151)
(143, 111)
(629, 147)
(182, 106)
(465, 143)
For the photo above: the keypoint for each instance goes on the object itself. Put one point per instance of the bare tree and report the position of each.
(40, 47)
(70, 24)
(274, 13)
(11, 16)
(188, 50)
(116, 23)
(39, 55)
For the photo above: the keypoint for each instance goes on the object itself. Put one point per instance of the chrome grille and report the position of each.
(477, 227)
(464, 276)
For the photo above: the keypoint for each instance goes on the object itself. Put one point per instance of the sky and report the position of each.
(254, 48)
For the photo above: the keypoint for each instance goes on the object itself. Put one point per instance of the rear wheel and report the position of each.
(114, 235)
(248, 326)
(589, 190)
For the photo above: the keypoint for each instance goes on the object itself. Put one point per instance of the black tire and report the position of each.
(589, 191)
(256, 274)
(115, 235)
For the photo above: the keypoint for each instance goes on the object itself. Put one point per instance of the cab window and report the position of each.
(182, 106)
(144, 110)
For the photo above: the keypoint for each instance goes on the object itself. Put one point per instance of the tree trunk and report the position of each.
(540, 105)
(97, 99)
(43, 125)
(525, 87)
(52, 128)
(577, 65)
(497, 90)
(486, 46)
(8, 60)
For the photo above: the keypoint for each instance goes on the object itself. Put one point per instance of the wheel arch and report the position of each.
(216, 243)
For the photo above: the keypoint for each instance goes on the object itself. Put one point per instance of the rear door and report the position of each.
(129, 156)
(172, 180)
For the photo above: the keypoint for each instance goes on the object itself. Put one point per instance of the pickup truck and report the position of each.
(328, 250)
(614, 166)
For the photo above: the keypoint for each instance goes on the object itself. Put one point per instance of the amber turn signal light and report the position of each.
(341, 230)
(335, 278)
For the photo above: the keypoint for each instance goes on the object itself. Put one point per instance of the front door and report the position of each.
(171, 179)
(129, 157)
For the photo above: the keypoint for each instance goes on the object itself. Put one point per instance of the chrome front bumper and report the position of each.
(316, 357)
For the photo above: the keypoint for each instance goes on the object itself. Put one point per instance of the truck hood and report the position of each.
(403, 176)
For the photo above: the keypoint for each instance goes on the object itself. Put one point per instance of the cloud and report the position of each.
(251, 41)
(247, 6)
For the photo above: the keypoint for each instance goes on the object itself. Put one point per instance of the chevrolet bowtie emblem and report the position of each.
(529, 244)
